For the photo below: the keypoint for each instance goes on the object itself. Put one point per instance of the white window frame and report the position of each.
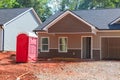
(60, 44)
(44, 44)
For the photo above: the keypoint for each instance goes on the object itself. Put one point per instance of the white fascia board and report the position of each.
(36, 16)
(94, 30)
(109, 31)
(56, 20)
(17, 16)
(115, 21)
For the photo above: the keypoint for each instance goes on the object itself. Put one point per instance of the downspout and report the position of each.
(3, 39)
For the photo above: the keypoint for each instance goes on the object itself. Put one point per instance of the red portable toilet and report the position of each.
(27, 47)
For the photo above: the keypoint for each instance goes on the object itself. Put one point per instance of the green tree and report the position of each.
(40, 7)
(116, 3)
(69, 4)
(44, 9)
(88, 4)
(8, 3)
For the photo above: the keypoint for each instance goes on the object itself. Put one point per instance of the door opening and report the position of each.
(86, 47)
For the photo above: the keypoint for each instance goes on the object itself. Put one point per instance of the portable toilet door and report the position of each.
(27, 47)
(22, 48)
(32, 48)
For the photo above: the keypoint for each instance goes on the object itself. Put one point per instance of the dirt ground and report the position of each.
(57, 69)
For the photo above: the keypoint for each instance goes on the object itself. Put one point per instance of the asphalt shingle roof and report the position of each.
(50, 19)
(8, 14)
(100, 19)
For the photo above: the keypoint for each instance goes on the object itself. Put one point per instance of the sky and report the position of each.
(54, 6)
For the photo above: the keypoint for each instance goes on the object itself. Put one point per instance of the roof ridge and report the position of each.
(8, 14)
(100, 18)
(95, 9)
(13, 8)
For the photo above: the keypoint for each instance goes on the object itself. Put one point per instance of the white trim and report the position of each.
(101, 43)
(94, 30)
(68, 48)
(108, 30)
(110, 36)
(118, 19)
(35, 14)
(1, 41)
(82, 46)
(41, 32)
(59, 45)
(75, 48)
(70, 33)
(96, 48)
(80, 32)
(53, 48)
(41, 44)
(57, 19)
(17, 16)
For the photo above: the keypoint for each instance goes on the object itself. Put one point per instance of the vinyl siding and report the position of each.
(74, 41)
(69, 24)
(25, 23)
(97, 38)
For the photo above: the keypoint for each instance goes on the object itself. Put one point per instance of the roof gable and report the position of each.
(61, 16)
(116, 21)
(100, 19)
(7, 15)
(69, 24)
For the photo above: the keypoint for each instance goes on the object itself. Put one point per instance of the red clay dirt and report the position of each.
(57, 69)
(10, 70)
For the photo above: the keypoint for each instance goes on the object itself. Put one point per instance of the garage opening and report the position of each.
(110, 48)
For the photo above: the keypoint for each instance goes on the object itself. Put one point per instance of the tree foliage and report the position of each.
(45, 8)
(40, 7)
(8, 3)
(88, 4)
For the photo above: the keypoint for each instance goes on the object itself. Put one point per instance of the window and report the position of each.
(62, 44)
(44, 44)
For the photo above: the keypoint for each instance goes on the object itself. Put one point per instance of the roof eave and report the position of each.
(18, 16)
(39, 20)
(115, 21)
(39, 31)
(64, 14)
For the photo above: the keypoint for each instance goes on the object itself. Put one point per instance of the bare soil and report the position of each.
(58, 69)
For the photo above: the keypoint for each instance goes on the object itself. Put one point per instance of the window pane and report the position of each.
(63, 44)
(63, 41)
(63, 48)
(44, 40)
(45, 47)
(44, 44)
